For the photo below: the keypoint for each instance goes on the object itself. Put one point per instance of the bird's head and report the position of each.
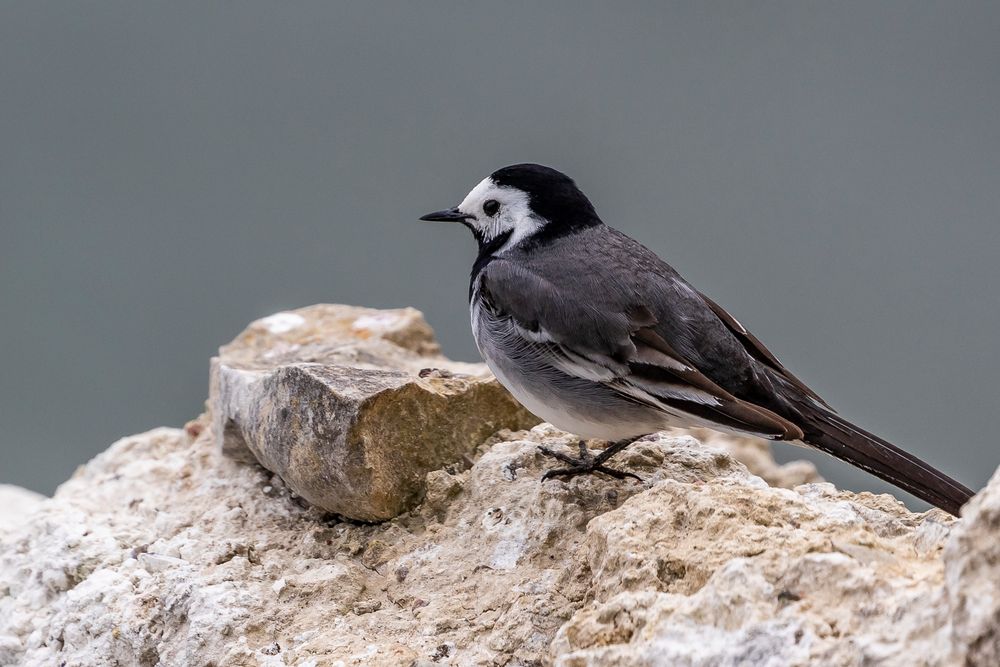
(518, 203)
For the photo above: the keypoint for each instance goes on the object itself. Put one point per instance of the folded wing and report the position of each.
(617, 344)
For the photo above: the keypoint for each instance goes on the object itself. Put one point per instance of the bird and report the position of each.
(592, 332)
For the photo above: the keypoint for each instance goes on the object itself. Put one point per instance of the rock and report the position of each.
(352, 407)
(755, 454)
(972, 566)
(165, 551)
(707, 576)
(16, 504)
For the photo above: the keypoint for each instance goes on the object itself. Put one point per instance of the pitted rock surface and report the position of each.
(162, 551)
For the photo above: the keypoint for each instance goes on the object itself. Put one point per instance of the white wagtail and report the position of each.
(594, 333)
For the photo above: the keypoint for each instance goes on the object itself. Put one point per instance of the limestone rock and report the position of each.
(352, 407)
(721, 575)
(162, 551)
(972, 565)
(755, 454)
(16, 504)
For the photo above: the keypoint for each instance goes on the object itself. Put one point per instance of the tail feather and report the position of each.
(834, 435)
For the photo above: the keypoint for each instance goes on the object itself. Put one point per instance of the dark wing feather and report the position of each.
(757, 350)
(734, 412)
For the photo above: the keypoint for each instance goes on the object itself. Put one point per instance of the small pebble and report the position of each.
(367, 607)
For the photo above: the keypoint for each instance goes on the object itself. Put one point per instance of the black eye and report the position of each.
(491, 207)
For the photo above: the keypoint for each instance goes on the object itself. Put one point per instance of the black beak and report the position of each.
(448, 215)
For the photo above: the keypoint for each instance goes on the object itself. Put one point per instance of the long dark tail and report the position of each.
(837, 436)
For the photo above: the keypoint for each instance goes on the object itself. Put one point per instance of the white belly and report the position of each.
(563, 415)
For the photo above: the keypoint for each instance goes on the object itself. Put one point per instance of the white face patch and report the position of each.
(514, 214)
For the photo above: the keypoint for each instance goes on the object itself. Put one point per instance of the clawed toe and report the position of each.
(561, 457)
(585, 464)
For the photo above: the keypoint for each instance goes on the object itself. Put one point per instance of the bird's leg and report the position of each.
(587, 463)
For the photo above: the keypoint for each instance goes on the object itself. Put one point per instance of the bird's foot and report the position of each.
(587, 463)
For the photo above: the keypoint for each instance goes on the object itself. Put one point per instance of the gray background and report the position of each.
(170, 171)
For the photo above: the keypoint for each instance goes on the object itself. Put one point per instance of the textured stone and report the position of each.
(352, 407)
(720, 574)
(16, 504)
(972, 564)
(162, 551)
(755, 454)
